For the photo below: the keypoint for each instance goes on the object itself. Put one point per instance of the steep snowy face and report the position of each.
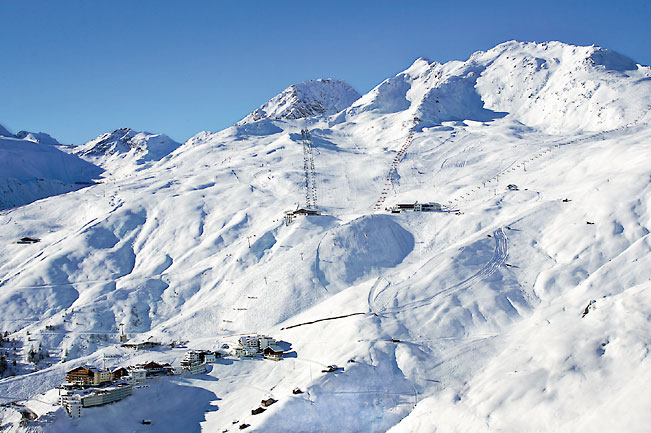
(4, 132)
(554, 87)
(24, 160)
(30, 171)
(124, 146)
(562, 88)
(307, 99)
(38, 137)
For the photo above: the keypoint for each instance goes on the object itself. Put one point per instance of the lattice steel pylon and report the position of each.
(310, 172)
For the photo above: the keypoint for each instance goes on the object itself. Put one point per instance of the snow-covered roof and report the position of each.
(274, 348)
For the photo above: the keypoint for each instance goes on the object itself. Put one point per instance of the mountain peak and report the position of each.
(419, 64)
(553, 86)
(124, 140)
(136, 146)
(310, 98)
(38, 137)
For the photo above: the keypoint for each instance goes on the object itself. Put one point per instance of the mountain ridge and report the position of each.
(38, 137)
(539, 84)
(306, 99)
(125, 150)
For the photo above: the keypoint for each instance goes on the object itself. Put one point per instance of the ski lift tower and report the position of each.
(123, 336)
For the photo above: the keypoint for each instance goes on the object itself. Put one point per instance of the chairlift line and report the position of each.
(309, 170)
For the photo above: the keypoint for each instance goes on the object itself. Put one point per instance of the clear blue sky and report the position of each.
(77, 68)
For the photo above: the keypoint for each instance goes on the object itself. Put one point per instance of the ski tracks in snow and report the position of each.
(373, 293)
(497, 260)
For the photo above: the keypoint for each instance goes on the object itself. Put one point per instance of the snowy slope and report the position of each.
(307, 99)
(4, 132)
(30, 171)
(125, 150)
(471, 319)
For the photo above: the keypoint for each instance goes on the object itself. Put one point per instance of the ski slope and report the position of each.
(468, 319)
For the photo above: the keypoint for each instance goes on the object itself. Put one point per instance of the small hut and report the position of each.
(120, 372)
(273, 352)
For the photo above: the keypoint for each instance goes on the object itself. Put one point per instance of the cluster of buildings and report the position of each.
(88, 386)
(263, 406)
(253, 345)
(86, 376)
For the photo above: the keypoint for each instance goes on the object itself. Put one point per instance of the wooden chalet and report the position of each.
(88, 376)
(154, 369)
(120, 372)
(80, 376)
(257, 411)
(273, 352)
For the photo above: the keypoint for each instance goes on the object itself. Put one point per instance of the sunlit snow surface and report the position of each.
(484, 302)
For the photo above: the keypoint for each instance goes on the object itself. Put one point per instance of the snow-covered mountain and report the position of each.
(523, 306)
(554, 87)
(307, 99)
(38, 137)
(126, 150)
(31, 171)
(4, 132)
